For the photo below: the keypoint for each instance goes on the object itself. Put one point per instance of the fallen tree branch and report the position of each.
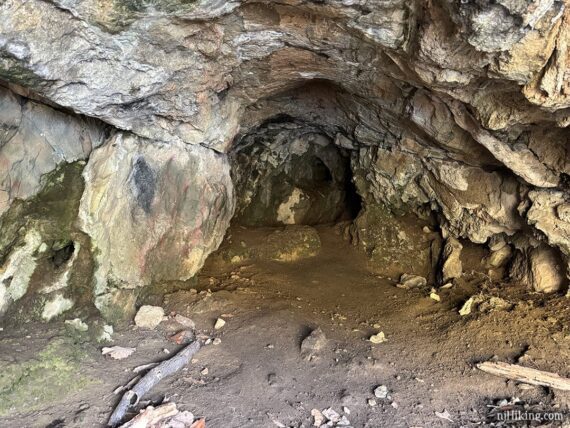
(154, 376)
(526, 375)
(152, 415)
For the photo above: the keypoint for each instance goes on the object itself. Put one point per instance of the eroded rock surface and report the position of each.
(285, 174)
(154, 212)
(458, 108)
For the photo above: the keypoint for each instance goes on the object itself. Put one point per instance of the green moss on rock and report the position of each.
(50, 377)
(52, 213)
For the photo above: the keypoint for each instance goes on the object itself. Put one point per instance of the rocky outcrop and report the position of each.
(34, 140)
(154, 212)
(458, 108)
(395, 244)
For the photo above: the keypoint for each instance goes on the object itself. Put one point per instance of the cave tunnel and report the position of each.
(284, 213)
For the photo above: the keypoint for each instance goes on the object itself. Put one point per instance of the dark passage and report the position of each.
(288, 173)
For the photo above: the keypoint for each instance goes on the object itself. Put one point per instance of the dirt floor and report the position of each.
(257, 375)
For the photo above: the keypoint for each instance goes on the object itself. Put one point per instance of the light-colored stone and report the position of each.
(451, 267)
(539, 268)
(381, 392)
(313, 344)
(409, 281)
(378, 338)
(318, 418)
(154, 211)
(56, 306)
(546, 271)
(500, 257)
(220, 322)
(149, 316)
(16, 273)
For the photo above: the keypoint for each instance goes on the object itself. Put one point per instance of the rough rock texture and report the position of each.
(45, 259)
(457, 107)
(154, 212)
(539, 268)
(34, 140)
(149, 316)
(395, 244)
(284, 174)
(451, 267)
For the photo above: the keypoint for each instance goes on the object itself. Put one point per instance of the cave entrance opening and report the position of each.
(289, 173)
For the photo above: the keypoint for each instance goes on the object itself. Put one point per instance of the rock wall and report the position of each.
(462, 107)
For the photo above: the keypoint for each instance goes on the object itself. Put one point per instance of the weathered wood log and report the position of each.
(154, 376)
(151, 416)
(525, 375)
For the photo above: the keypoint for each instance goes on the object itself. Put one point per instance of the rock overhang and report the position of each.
(435, 107)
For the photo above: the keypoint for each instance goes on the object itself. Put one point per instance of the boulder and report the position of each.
(290, 244)
(149, 316)
(153, 211)
(541, 269)
(395, 244)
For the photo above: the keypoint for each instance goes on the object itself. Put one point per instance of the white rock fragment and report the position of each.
(331, 415)
(372, 402)
(318, 418)
(118, 352)
(77, 324)
(434, 296)
(378, 338)
(56, 306)
(467, 306)
(313, 343)
(444, 415)
(408, 281)
(381, 392)
(220, 322)
(149, 316)
(217, 341)
(105, 334)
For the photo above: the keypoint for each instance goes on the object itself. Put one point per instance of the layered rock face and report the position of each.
(458, 108)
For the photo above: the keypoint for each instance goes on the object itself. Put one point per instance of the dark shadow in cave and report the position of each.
(288, 172)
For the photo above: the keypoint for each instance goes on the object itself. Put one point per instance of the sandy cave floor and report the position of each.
(257, 376)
